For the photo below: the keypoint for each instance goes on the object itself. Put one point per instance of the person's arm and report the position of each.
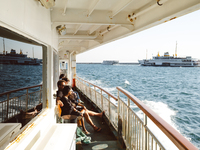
(79, 104)
(59, 102)
(78, 97)
(71, 107)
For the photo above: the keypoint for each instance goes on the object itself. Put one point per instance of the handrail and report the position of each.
(11, 106)
(1, 94)
(111, 95)
(180, 141)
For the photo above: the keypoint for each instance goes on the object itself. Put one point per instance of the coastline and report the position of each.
(101, 63)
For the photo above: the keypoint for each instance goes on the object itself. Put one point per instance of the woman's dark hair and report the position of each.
(66, 90)
(65, 79)
(61, 76)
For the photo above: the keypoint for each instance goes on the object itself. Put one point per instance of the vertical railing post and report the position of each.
(40, 95)
(145, 132)
(7, 111)
(128, 123)
(26, 99)
(118, 108)
(109, 107)
(101, 99)
(90, 91)
(95, 95)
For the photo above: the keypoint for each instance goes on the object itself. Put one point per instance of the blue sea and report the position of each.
(172, 92)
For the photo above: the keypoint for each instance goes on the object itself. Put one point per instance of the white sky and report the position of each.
(162, 38)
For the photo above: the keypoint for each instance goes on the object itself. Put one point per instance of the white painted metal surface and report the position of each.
(43, 133)
(59, 136)
(7, 131)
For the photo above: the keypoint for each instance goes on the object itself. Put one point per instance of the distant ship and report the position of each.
(17, 59)
(171, 61)
(110, 62)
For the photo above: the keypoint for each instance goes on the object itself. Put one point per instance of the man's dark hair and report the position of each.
(65, 79)
(66, 90)
(61, 76)
(60, 82)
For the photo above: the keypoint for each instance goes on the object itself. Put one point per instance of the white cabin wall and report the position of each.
(28, 18)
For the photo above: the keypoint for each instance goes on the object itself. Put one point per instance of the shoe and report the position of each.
(81, 102)
(97, 129)
(86, 132)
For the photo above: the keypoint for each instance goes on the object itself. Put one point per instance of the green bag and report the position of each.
(80, 136)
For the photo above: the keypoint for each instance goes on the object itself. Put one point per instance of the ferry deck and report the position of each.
(64, 29)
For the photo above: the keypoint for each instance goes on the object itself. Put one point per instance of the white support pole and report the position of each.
(71, 67)
(48, 77)
(44, 76)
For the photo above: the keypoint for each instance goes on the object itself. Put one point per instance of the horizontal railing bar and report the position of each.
(115, 98)
(180, 141)
(107, 99)
(20, 89)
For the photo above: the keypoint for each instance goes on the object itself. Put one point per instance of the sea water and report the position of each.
(18, 76)
(172, 92)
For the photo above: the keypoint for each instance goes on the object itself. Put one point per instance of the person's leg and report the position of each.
(89, 120)
(92, 113)
(83, 126)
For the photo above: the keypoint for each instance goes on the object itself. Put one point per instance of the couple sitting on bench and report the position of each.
(66, 99)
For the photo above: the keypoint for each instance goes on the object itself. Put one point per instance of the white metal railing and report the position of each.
(11, 103)
(134, 131)
(101, 98)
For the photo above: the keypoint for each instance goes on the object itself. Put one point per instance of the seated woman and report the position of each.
(69, 109)
(73, 97)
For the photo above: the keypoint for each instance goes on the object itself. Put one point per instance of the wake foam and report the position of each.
(126, 82)
(166, 114)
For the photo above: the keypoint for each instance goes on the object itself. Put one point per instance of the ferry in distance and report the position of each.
(110, 62)
(17, 58)
(170, 61)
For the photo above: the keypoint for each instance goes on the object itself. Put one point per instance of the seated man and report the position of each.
(60, 84)
(77, 96)
(68, 108)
